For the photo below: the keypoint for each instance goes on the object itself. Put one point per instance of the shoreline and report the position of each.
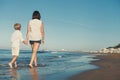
(109, 69)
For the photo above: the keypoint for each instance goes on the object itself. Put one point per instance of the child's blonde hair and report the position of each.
(17, 26)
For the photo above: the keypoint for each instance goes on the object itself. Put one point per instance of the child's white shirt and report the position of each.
(16, 38)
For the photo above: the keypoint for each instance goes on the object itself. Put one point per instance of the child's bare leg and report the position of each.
(12, 61)
(10, 65)
(15, 64)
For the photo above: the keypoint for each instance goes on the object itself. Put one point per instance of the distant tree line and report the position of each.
(115, 47)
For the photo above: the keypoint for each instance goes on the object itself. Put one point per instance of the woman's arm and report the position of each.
(27, 34)
(42, 32)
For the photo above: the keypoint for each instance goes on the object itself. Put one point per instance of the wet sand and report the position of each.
(109, 69)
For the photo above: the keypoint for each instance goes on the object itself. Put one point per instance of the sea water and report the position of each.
(51, 65)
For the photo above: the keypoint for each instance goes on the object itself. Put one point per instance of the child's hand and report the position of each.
(25, 42)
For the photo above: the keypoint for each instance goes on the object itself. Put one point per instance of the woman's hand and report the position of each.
(43, 41)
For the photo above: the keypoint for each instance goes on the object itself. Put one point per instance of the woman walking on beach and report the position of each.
(35, 35)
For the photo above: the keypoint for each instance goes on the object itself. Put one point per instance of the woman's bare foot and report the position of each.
(30, 66)
(10, 65)
(36, 65)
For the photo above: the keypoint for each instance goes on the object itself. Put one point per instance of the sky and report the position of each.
(69, 24)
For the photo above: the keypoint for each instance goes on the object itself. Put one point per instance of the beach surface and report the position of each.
(109, 69)
(51, 65)
(61, 66)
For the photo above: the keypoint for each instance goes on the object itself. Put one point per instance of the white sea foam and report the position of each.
(85, 59)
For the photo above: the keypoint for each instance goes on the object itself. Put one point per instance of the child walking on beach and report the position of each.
(16, 39)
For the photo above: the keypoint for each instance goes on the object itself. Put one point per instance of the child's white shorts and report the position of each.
(15, 51)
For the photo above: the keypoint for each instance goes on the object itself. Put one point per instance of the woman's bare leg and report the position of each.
(32, 46)
(35, 59)
(34, 52)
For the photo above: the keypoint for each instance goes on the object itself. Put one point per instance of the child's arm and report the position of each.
(21, 38)
(24, 41)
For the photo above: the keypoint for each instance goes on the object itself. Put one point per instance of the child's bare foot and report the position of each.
(30, 66)
(16, 66)
(10, 65)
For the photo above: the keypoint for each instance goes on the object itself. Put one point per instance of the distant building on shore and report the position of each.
(115, 49)
(110, 50)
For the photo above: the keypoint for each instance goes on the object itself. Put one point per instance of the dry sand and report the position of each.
(109, 69)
